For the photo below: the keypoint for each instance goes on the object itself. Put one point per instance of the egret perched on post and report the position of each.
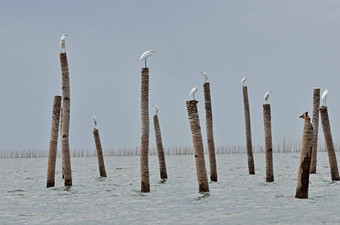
(155, 107)
(266, 96)
(243, 81)
(94, 121)
(193, 91)
(146, 54)
(205, 76)
(324, 97)
(63, 42)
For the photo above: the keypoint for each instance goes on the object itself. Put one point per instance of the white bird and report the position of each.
(266, 96)
(63, 42)
(155, 107)
(94, 121)
(244, 80)
(205, 76)
(324, 97)
(193, 91)
(146, 54)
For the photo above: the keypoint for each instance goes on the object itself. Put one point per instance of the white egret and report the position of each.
(94, 118)
(205, 76)
(324, 97)
(63, 42)
(266, 96)
(244, 80)
(146, 54)
(193, 91)
(155, 107)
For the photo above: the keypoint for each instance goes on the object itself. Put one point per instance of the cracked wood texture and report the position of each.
(100, 156)
(65, 126)
(305, 159)
(197, 140)
(144, 157)
(249, 145)
(315, 122)
(210, 132)
(329, 143)
(52, 154)
(160, 151)
(268, 142)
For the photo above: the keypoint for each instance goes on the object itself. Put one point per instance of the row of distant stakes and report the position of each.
(308, 155)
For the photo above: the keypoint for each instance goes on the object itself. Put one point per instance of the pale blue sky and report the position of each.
(288, 46)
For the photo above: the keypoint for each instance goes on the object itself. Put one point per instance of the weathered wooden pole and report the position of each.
(52, 154)
(305, 159)
(268, 142)
(201, 171)
(144, 149)
(329, 143)
(249, 145)
(160, 151)
(315, 122)
(210, 132)
(65, 148)
(100, 156)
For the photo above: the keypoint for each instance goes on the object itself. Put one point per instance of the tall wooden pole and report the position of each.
(249, 145)
(210, 133)
(100, 156)
(329, 143)
(160, 151)
(65, 148)
(52, 154)
(315, 122)
(144, 158)
(201, 171)
(268, 142)
(305, 159)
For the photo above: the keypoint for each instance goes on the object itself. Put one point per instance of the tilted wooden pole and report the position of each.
(329, 143)
(201, 171)
(65, 148)
(210, 132)
(144, 157)
(249, 145)
(52, 154)
(100, 156)
(160, 151)
(305, 159)
(268, 142)
(315, 122)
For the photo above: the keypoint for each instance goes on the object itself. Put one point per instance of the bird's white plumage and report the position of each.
(205, 76)
(324, 96)
(266, 95)
(63, 41)
(94, 118)
(244, 79)
(146, 54)
(193, 91)
(155, 107)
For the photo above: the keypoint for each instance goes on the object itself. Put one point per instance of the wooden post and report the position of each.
(160, 151)
(249, 145)
(100, 156)
(210, 133)
(52, 154)
(65, 148)
(268, 142)
(329, 143)
(305, 159)
(144, 157)
(315, 122)
(201, 171)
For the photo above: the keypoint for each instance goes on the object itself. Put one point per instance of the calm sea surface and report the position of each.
(237, 198)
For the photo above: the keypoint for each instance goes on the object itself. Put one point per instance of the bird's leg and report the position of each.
(145, 63)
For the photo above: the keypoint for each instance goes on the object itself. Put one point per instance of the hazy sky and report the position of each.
(287, 46)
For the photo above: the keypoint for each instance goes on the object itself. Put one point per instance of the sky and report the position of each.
(288, 47)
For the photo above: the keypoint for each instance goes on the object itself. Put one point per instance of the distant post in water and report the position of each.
(329, 143)
(100, 156)
(65, 148)
(52, 154)
(268, 142)
(305, 158)
(201, 171)
(315, 122)
(210, 133)
(249, 145)
(160, 151)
